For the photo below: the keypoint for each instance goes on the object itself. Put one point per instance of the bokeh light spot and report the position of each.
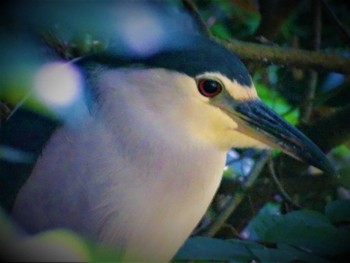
(58, 84)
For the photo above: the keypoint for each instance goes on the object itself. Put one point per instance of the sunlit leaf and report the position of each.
(277, 103)
(264, 220)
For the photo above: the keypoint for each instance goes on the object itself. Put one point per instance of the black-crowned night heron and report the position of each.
(141, 164)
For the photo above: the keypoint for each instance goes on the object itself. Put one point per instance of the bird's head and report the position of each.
(210, 93)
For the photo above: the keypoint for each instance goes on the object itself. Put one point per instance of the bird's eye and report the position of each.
(209, 87)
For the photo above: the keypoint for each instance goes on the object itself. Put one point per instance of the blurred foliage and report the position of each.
(278, 103)
(299, 236)
(54, 245)
(268, 227)
(228, 20)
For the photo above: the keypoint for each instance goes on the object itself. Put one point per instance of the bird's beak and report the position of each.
(263, 124)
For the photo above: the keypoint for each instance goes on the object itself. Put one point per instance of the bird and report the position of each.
(137, 168)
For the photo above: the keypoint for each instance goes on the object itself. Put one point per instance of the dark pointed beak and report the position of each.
(263, 124)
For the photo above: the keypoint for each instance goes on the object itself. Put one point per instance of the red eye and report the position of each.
(209, 87)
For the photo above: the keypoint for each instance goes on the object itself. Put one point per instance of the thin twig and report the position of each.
(19, 104)
(193, 10)
(344, 33)
(280, 188)
(4, 112)
(310, 92)
(237, 198)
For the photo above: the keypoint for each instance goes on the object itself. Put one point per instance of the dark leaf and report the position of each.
(338, 211)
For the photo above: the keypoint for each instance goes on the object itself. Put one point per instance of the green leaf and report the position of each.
(265, 219)
(221, 31)
(297, 254)
(204, 248)
(285, 253)
(338, 211)
(53, 245)
(311, 231)
(277, 103)
(249, 244)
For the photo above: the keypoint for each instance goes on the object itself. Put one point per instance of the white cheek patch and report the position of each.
(240, 92)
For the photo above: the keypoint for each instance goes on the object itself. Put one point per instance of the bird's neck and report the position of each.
(161, 162)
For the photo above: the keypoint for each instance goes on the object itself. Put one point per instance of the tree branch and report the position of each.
(279, 186)
(251, 52)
